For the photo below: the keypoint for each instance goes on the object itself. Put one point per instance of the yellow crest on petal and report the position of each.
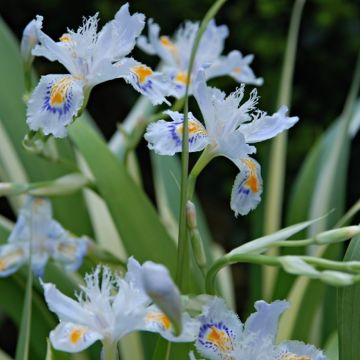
(252, 181)
(182, 77)
(59, 91)
(220, 339)
(10, 259)
(142, 72)
(237, 70)
(194, 128)
(65, 38)
(291, 356)
(76, 334)
(159, 318)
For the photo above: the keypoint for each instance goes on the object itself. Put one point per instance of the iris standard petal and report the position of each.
(12, 256)
(265, 127)
(264, 322)
(247, 189)
(73, 338)
(152, 84)
(165, 137)
(54, 103)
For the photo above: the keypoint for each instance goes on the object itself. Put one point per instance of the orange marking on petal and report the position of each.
(159, 318)
(76, 335)
(252, 183)
(291, 356)
(3, 265)
(142, 72)
(59, 91)
(66, 38)
(220, 339)
(237, 70)
(193, 127)
(182, 78)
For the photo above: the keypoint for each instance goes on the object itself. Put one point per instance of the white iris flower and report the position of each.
(175, 55)
(228, 131)
(108, 308)
(223, 336)
(48, 238)
(90, 58)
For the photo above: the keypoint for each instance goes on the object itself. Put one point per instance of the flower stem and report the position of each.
(183, 258)
(110, 351)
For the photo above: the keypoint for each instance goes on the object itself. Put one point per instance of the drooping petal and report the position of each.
(297, 350)
(12, 256)
(156, 321)
(54, 103)
(152, 84)
(165, 137)
(73, 338)
(236, 66)
(39, 259)
(263, 323)
(219, 333)
(30, 38)
(67, 309)
(247, 189)
(265, 127)
(70, 251)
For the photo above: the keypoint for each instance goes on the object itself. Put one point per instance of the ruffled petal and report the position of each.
(12, 256)
(54, 103)
(70, 251)
(118, 37)
(211, 43)
(73, 338)
(247, 189)
(165, 137)
(152, 84)
(263, 323)
(265, 127)
(67, 309)
(235, 65)
(297, 350)
(219, 333)
(156, 321)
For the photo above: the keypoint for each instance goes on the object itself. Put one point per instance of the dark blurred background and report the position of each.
(328, 46)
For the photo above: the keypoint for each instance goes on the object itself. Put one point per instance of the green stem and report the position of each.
(183, 258)
(206, 156)
(110, 350)
(349, 215)
(292, 243)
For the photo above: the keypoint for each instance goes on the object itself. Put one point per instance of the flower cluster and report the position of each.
(110, 307)
(38, 236)
(228, 131)
(223, 336)
(90, 57)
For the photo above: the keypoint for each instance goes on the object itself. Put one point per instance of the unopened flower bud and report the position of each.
(337, 235)
(64, 185)
(30, 39)
(12, 188)
(191, 215)
(336, 278)
(162, 290)
(297, 266)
